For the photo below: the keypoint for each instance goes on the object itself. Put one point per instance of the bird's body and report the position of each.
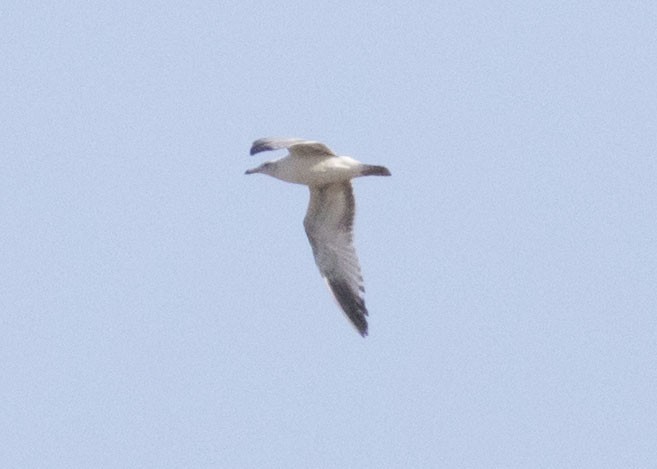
(329, 220)
(316, 170)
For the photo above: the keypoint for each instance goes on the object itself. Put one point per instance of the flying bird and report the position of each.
(330, 216)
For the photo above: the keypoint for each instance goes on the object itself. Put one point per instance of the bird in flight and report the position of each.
(330, 216)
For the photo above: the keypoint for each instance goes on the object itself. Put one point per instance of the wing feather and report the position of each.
(329, 226)
(296, 146)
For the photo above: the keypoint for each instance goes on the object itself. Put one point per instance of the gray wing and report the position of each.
(329, 226)
(296, 146)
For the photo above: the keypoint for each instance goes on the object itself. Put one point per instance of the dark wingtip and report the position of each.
(259, 146)
(359, 320)
(272, 143)
(351, 303)
(360, 323)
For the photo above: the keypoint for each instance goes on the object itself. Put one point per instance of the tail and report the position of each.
(373, 170)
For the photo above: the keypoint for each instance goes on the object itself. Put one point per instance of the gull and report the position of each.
(330, 216)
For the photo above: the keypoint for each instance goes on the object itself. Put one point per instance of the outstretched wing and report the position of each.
(296, 146)
(329, 226)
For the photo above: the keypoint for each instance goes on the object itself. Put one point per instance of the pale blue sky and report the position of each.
(161, 309)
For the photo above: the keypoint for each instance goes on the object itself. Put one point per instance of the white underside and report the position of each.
(314, 171)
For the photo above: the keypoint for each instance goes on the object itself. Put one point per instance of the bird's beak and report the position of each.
(252, 170)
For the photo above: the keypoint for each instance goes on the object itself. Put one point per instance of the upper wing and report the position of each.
(329, 223)
(297, 146)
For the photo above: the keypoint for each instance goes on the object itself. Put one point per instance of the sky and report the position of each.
(161, 309)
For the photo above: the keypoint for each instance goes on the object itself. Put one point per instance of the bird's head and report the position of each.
(267, 167)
